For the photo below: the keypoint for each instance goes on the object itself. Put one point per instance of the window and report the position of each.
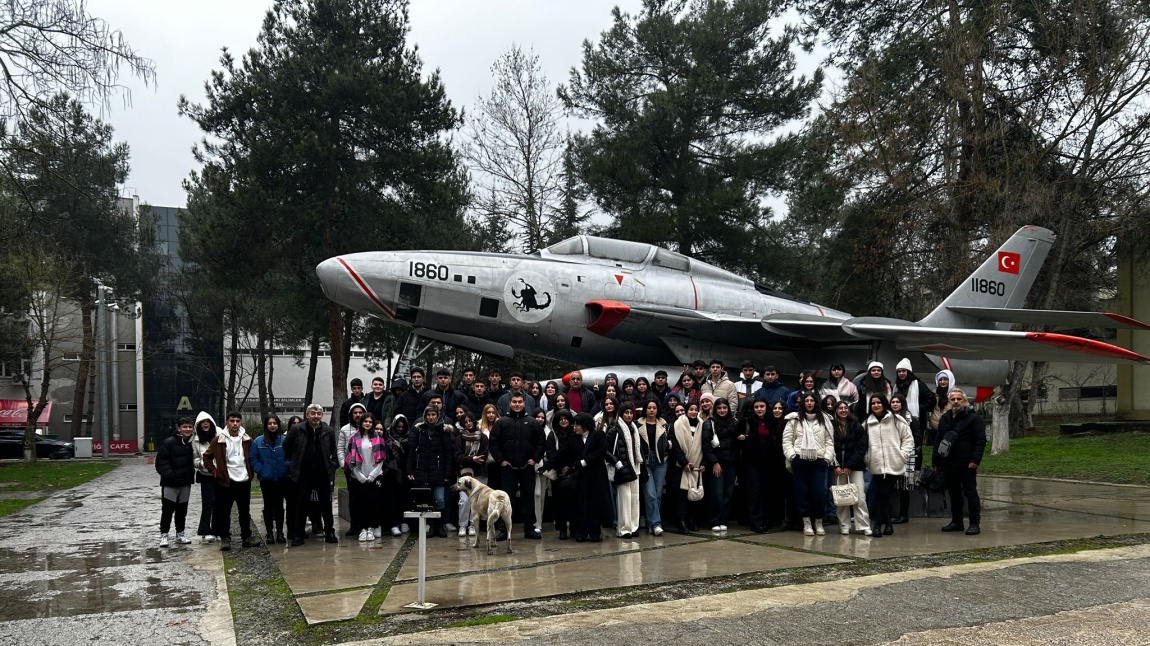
(70, 356)
(128, 347)
(568, 247)
(621, 250)
(488, 307)
(8, 370)
(68, 418)
(409, 295)
(127, 407)
(671, 260)
(1088, 392)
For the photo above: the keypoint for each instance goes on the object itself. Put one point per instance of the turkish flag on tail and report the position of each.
(1009, 262)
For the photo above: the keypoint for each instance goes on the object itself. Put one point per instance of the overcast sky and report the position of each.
(459, 37)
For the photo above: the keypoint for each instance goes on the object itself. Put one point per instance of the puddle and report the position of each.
(91, 578)
(81, 557)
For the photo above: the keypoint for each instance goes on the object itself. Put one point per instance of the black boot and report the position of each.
(440, 529)
(269, 536)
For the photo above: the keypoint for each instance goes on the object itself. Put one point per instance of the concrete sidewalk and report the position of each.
(83, 566)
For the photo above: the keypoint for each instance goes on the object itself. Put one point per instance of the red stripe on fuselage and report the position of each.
(695, 290)
(365, 289)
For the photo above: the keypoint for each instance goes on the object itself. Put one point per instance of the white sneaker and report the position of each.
(181, 539)
(722, 528)
(404, 528)
(395, 531)
(463, 531)
(376, 532)
(450, 527)
(819, 527)
(658, 531)
(163, 540)
(211, 538)
(845, 531)
(471, 531)
(364, 534)
(717, 528)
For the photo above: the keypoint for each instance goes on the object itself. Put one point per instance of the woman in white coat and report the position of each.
(809, 446)
(889, 445)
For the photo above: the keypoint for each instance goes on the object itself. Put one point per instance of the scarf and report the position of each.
(631, 440)
(470, 441)
(808, 446)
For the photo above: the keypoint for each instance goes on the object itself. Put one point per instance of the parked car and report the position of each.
(12, 446)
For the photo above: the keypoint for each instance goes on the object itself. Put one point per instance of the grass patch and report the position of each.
(1118, 458)
(47, 475)
(481, 621)
(13, 506)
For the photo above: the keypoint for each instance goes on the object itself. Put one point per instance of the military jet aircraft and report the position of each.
(598, 301)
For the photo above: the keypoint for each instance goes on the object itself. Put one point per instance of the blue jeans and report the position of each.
(653, 492)
(439, 492)
(810, 487)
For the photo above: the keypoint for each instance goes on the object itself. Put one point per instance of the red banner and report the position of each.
(14, 412)
(116, 446)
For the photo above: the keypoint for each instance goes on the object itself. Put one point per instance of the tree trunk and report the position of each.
(312, 364)
(30, 427)
(261, 378)
(1006, 400)
(271, 376)
(233, 357)
(338, 372)
(84, 367)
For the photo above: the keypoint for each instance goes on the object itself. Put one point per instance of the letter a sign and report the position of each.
(185, 403)
(1008, 262)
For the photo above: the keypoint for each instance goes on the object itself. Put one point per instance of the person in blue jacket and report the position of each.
(270, 465)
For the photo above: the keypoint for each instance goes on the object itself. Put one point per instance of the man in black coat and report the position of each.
(517, 443)
(450, 396)
(355, 398)
(310, 448)
(175, 462)
(966, 433)
(411, 399)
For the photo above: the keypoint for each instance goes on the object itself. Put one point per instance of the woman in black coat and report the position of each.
(563, 460)
(594, 491)
(759, 441)
(175, 462)
(431, 462)
(721, 456)
(851, 443)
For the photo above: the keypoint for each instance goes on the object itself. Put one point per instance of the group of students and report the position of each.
(604, 462)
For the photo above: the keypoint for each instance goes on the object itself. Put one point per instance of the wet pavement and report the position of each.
(83, 565)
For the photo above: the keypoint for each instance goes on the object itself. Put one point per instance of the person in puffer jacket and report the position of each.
(430, 462)
(890, 443)
(175, 464)
(851, 444)
(206, 429)
(269, 462)
(809, 446)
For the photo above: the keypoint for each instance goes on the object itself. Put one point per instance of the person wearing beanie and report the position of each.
(873, 382)
(706, 406)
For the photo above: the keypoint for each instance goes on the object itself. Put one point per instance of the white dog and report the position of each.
(489, 504)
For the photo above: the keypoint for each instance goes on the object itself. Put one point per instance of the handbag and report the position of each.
(845, 495)
(934, 480)
(946, 443)
(624, 475)
(568, 481)
(695, 493)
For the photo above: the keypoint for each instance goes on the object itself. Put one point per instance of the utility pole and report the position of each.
(102, 369)
(114, 369)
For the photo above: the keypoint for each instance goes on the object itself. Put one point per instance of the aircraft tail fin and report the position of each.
(1002, 281)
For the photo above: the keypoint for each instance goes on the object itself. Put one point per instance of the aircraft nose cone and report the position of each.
(329, 273)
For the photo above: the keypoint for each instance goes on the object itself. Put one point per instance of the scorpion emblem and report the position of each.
(527, 298)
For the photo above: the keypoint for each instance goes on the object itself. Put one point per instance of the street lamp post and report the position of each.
(101, 369)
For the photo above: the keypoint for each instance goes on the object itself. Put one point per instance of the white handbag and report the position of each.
(695, 493)
(845, 495)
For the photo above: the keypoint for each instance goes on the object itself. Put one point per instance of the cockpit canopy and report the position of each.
(625, 253)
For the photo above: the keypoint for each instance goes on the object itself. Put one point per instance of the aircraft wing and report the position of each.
(990, 344)
(1057, 318)
(640, 323)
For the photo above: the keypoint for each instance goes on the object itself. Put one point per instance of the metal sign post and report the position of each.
(421, 603)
